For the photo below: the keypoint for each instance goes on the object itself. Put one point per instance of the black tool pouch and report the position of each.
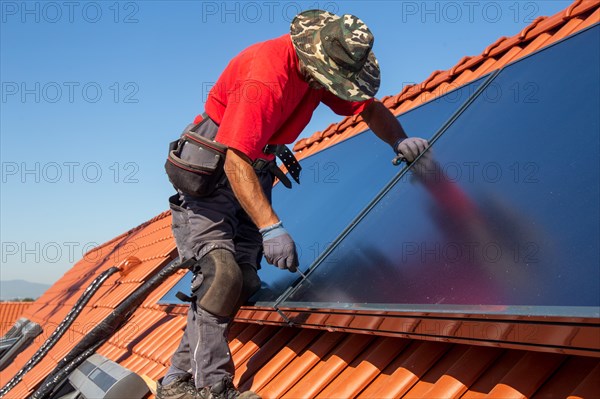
(195, 163)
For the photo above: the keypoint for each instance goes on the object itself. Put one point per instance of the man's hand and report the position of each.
(386, 126)
(411, 147)
(427, 170)
(279, 248)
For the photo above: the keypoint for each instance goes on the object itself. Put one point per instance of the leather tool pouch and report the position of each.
(195, 163)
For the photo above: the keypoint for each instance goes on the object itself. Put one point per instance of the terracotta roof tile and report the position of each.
(244, 353)
(510, 55)
(594, 18)
(590, 386)
(155, 372)
(113, 352)
(301, 365)
(11, 312)
(464, 372)
(527, 376)
(364, 369)
(246, 371)
(567, 378)
(117, 295)
(165, 351)
(466, 76)
(431, 378)
(329, 367)
(134, 334)
(492, 375)
(497, 46)
(136, 362)
(140, 273)
(406, 370)
(243, 337)
(292, 362)
(285, 354)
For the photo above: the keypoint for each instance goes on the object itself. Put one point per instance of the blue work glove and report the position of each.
(279, 248)
(409, 148)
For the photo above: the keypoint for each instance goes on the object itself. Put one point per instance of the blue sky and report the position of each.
(93, 91)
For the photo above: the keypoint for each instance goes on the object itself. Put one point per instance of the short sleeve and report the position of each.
(343, 107)
(251, 118)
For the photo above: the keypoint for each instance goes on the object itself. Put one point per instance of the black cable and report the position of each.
(105, 329)
(60, 330)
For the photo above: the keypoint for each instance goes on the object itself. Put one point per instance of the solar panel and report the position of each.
(502, 215)
(335, 186)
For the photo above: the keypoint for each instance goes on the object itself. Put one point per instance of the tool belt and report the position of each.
(286, 156)
(195, 162)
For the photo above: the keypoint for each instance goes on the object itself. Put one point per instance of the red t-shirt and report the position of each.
(262, 99)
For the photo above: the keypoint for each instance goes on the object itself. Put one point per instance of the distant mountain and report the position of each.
(19, 289)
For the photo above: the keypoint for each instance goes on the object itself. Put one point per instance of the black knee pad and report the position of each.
(251, 281)
(220, 283)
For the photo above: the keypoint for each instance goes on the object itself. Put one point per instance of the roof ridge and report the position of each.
(500, 47)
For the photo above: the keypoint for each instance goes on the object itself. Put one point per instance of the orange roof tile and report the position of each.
(278, 361)
(10, 312)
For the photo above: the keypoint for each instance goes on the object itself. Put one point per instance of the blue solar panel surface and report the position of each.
(502, 215)
(336, 185)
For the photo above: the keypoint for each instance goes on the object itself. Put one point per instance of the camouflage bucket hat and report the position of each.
(337, 53)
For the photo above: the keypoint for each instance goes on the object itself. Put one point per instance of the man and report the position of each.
(265, 97)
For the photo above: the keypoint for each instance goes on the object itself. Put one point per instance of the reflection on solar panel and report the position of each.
(501, 214)
(335, 186)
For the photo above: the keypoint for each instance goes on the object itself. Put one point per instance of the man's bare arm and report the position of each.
(383, 123)
(278, 247)
(248, 190)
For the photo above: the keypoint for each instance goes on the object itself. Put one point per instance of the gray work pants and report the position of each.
(201, 225)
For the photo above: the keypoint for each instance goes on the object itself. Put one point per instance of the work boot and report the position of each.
(225, 390)
(181, 388)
